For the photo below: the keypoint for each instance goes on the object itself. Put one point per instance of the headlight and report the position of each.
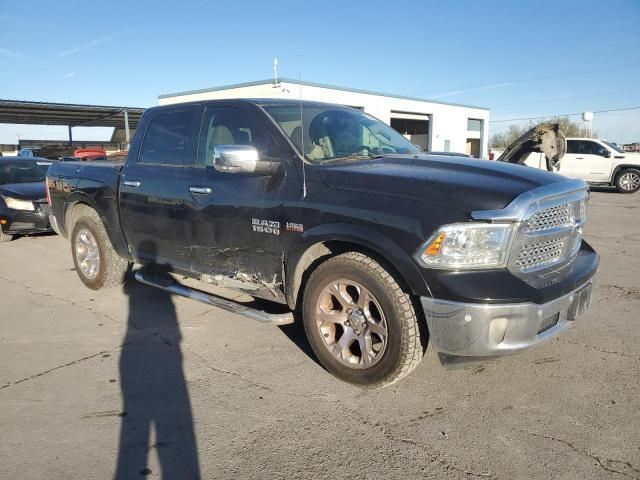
(468, 246)
(580, 211)
(18, 204)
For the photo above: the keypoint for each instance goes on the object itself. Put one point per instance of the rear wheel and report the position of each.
(628, 181)
(360, 323)
(97, 263)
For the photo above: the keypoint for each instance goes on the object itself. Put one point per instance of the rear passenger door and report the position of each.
(156, 206)
(566, 165)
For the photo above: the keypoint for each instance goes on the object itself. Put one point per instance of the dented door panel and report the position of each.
(236, 231)
(237, 227)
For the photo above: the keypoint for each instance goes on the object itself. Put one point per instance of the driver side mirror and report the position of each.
(241, 159)
(605, 153)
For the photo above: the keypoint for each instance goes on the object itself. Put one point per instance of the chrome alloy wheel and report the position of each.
(87, 254)
(630, 181)
(352, 324)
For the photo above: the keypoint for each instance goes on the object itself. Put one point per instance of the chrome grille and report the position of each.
(540, 254)
(549, 222)
(549, 237)
(550, 218)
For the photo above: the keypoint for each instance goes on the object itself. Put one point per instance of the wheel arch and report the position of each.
(620, 168)
(323, 242)
(72, 206)
(72, 209)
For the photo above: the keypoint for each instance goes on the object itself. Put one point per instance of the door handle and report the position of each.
(579, 158)
(200, 190)
(132, 183)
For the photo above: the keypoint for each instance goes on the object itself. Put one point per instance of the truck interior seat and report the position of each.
(296, 139)
(219, 135)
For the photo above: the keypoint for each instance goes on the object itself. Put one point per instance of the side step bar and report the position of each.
(170, 285)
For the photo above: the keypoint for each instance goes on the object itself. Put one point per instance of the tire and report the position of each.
(97, 263)
(382, 320)
(5, 237)
(628, 181)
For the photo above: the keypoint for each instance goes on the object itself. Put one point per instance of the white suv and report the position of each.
(597, 161)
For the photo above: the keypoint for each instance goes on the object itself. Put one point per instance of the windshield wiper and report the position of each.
(350, 158)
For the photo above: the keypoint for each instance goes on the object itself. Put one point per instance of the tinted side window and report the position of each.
(168, 139)
(587, 148)
(232, 126)
(573, 146)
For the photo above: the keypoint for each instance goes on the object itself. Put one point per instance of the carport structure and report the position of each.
(71, 115)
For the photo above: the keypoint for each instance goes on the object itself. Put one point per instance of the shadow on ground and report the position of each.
(156, 413)
(295, 332)
(603, 188)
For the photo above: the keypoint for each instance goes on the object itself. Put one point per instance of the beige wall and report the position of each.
(448, 122)
(9, 150)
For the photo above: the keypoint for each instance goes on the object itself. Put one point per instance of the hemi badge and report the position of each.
(295, 227)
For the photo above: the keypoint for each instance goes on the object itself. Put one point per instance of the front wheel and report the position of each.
(360, 323)
(97, 263)
(628, 181)
(4, 237)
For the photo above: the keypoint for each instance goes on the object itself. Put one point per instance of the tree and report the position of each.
(567, 126)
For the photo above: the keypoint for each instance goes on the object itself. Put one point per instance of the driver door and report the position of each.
(237, 225)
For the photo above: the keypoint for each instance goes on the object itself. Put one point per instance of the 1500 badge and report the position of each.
(265, 226)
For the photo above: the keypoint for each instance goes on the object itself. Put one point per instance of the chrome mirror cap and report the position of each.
(235, 158)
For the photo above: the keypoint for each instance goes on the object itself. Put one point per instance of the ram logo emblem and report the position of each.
(265, 226)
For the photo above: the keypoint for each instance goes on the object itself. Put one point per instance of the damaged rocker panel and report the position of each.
(170, 285)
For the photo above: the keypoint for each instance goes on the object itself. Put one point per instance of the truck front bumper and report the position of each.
(464, 333)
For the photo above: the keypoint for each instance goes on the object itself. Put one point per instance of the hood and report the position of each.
(24, 191)
(452, 182)
(545, 138)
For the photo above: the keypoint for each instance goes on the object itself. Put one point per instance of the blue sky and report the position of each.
(520, 59)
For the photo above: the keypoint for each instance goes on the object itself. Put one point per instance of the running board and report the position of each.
(170, 285)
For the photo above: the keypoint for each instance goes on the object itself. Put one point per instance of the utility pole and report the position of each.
(275, 72)
(126, 128)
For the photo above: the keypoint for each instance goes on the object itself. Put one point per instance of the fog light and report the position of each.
(3, 221)
(498, 329)
(548, 322)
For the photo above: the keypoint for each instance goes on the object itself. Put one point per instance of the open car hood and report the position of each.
(545, 138)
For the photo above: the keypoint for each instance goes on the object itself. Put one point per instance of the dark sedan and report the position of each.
(22, 196)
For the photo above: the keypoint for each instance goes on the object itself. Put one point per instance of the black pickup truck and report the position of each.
(332, 213)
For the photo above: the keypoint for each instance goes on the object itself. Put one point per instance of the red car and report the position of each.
(90, 154)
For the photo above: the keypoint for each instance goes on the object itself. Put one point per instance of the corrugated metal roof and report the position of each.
(46, 113)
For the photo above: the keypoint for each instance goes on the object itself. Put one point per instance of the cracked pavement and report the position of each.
(93, 383)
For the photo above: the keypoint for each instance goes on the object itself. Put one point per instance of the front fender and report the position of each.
(357, 235)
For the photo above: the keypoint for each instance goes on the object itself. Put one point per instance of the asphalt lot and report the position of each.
(212, 394)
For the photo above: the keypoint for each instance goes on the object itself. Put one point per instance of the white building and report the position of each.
(433, 125)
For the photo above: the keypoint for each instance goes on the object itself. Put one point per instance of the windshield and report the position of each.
(616, 147)
(23, 172)
(333, 133)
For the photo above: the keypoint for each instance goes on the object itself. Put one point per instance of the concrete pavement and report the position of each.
(94, 383)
